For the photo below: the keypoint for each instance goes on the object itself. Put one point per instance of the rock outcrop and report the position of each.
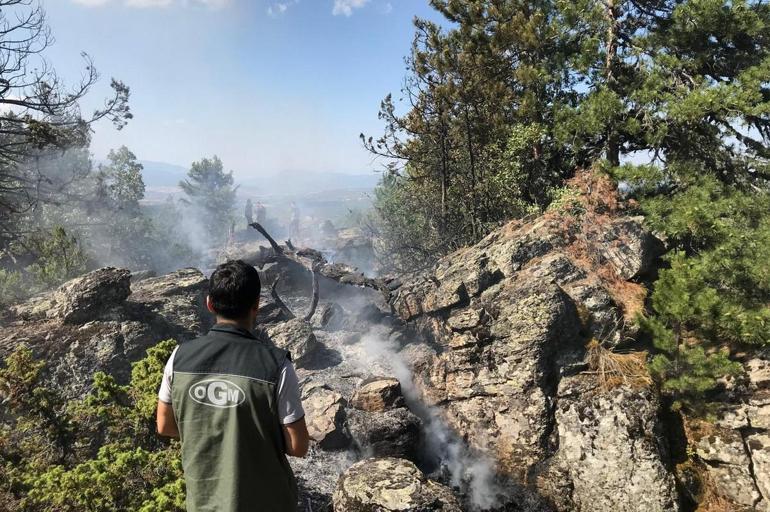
(392, 433)
(81, 299)
(735, 448)
(390, 484)
(325, 411)
(478, 371)
(611, 450)
(101, 322)
(507, 322)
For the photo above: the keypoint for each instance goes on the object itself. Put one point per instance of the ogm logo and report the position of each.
(217, 393)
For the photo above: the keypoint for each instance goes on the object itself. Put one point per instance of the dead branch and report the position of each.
(279, 302)
(277, 248)
(314, 302)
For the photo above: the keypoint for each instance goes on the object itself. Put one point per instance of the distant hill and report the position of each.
(161, 174)
(162, 179)
(298, 183)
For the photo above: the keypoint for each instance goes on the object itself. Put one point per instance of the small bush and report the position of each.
(99, 453)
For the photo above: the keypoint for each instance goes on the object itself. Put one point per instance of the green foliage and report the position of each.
(58, 257)
(42, 433)
(11, 286)
(98, 453)
(120, 182)
(146, 376)
(405, 226)
(713, 298)
(116, 479)
(210, 197)
(516, 95)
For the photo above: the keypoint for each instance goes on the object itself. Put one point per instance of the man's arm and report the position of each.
(297, 438)
(166, 421)
(291, 413)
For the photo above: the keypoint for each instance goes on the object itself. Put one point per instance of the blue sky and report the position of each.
(266, 85)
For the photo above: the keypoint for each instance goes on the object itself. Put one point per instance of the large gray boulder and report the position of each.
(611, 450)
(629, 247)
(495, 383)
(390, 485)
(735, 449)
(325, 416)
(392, 433)
(296, 336)
(759, 449)
(378, 394)
(506, 322)
(80, 300)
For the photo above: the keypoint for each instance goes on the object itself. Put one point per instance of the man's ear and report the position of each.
(210, 305)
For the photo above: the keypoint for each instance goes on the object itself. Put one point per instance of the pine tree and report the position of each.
(210, 197)
(120, 182)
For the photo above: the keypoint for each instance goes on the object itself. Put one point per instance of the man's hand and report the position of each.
(166, 421)
(297, 438)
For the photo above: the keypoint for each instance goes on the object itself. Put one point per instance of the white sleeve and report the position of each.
(164, 394)
(289, 400)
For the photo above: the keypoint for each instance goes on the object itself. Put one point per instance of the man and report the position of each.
(234, 402)
(248, 212)
(294, 225)
(260, 213)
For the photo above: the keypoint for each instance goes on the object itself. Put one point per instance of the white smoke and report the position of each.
(470, 472)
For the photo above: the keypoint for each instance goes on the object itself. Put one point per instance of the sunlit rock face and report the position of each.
(610, 450)
(465, 387)
(508, 320)
(296, 336)
(391, 484)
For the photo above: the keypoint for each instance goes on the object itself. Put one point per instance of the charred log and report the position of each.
(314, 302)
(312, 261)
(279, 302)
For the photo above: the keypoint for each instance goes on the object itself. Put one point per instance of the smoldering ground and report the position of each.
(367, 342)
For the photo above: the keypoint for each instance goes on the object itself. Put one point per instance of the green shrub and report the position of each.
(98, 453)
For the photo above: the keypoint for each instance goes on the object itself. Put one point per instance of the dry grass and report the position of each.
(628, 295)
(614, 369)
(598, 204)
(710, 499)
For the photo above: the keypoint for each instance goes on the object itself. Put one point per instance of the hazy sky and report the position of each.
(266, 85)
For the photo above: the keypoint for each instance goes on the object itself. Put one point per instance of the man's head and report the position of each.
(234, 289)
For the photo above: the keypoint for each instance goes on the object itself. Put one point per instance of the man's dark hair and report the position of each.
(234, 288)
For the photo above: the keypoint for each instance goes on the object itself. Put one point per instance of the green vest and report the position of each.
(224, 396)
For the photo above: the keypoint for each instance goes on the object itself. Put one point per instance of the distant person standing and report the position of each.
(248, 212)
(231, 233)
(261, 213)
(294, 225)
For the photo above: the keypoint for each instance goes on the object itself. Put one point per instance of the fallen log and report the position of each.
(279, 302)
(313, 261)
